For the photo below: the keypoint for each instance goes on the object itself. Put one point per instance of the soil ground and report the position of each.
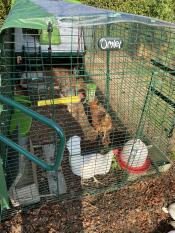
(132, 209)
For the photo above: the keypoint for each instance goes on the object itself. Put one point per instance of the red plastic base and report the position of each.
(134, 170)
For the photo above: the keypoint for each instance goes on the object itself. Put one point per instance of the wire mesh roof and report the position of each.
(91, 15)
(38, 13)
(68, 9)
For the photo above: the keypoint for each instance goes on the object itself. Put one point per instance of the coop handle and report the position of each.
(43, 120)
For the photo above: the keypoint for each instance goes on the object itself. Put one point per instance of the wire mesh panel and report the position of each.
(111, 89)
(140, 77)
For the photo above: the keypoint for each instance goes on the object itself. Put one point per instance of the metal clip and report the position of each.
(50, 30)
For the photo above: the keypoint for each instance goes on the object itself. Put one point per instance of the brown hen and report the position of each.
(101, 121)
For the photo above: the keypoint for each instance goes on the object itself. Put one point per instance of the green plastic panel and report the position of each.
(34, 17)
(4, 201)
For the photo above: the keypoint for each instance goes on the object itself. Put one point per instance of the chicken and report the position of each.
(101, 121)
(171, 211)
(65, 82)
(89, 165)
(19, 90)
(77, 111)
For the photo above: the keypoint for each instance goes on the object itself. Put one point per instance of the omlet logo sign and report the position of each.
(110, 43)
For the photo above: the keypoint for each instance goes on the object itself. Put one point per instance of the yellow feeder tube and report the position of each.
(64, 100)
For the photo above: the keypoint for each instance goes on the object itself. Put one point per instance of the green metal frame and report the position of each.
(108, 71)
(43, 120)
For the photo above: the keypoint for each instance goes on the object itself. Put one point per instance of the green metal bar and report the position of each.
(108, 72)
(163, 67)
(141, 121)
(163, 97)
(43, 120)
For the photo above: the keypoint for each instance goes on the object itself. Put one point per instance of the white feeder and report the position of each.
(134, 153)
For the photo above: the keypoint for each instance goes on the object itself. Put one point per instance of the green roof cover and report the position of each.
(27, 14)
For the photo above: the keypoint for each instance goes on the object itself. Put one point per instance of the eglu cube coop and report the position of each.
(87, 100)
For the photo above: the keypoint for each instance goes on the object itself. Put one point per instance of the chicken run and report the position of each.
(87, 101)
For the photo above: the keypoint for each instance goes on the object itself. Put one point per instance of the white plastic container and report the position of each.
(134, 153)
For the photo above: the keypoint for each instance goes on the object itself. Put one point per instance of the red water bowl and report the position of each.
(130, 169)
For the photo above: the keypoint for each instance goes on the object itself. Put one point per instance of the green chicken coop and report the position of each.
(87, 101)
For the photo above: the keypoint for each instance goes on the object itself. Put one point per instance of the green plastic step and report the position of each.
(4, 199)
